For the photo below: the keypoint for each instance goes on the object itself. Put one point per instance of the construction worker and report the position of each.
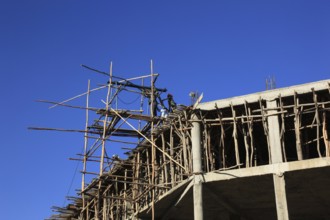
(171, 102)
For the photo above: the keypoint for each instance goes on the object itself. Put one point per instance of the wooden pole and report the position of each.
(164, 159)
(266, 131)
(105, 121)
(172, 154)
(282, 128)
(297, 126)
(238, 162)
(317, 117)
(85, 147)
(222, 141)
(153, 150)
(325, 133)
(166, 154)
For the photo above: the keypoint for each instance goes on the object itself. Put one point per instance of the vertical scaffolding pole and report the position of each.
(107, 107)
(97, 205)
(85, 148)
(197, 168)
(153, 150)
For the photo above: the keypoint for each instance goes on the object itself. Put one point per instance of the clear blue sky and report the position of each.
(222, 48)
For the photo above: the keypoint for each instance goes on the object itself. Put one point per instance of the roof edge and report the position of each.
(266, 95)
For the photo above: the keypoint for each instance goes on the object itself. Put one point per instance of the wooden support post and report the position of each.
(137, 177)
(184, 144)
(164, 160)
(250, 132)
(282, 128)
(266, 128)
(297, 126)
(238, 162)
(172, 156)
(246, 143)
(317, 117)
(222, 141)
(148, 166)
(206, 151)
(211, 157)
(96, 208)
(104, 211)
(325, 132)
(112, 207)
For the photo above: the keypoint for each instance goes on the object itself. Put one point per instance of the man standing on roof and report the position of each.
(171, 103)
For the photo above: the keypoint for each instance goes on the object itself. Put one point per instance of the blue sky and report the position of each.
(221, 48)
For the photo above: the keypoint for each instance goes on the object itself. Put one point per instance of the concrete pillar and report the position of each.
(280, 197)
(276, 157)
(197, 169)
(274, 134)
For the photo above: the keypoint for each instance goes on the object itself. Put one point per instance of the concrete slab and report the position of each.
(249, 193)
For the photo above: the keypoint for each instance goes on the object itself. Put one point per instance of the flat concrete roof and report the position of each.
(266, 95)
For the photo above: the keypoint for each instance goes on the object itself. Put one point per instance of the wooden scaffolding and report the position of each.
(233, 137)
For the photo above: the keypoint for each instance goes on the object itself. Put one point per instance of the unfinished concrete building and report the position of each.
(258, 156)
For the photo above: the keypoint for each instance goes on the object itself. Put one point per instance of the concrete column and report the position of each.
(274, 134)
(276, 157)
(280, 197)
(197, 169)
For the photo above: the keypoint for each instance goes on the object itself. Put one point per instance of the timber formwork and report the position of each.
(262, 135)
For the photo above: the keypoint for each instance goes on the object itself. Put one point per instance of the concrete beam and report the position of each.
(267, 169)
(266, 95)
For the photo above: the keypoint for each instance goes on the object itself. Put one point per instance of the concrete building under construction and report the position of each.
(258, 156)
